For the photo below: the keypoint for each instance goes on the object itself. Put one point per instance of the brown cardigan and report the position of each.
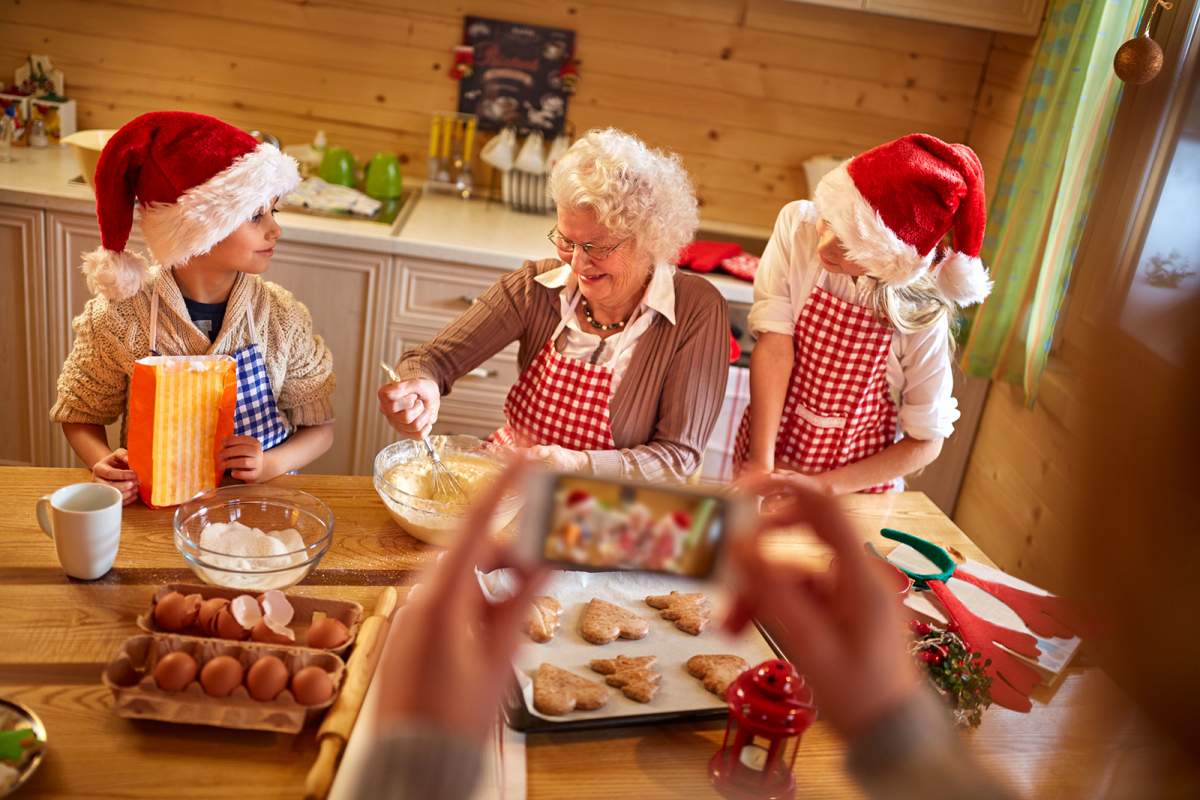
(665, 406)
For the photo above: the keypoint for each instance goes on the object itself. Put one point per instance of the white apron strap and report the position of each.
(250, 320)
(154, 320)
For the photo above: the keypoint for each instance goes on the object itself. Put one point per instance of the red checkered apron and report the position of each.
(838, 408)
(559, 400)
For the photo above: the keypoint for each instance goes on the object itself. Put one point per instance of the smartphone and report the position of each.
(600, 524)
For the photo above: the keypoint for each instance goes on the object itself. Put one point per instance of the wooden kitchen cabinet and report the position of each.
(1009, 16)
(23, 397)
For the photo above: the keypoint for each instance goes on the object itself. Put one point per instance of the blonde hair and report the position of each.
(915, 307)
(632, 189)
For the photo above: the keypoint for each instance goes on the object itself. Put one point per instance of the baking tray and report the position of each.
(518, 717)
(682, 697)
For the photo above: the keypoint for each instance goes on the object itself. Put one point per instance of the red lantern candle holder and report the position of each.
(769, 708)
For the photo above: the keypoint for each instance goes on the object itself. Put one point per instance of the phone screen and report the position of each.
(604, 524)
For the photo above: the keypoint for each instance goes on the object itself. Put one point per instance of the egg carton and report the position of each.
(348, 613)
(130, 678)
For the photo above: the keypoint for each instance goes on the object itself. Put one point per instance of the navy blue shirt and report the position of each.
(206, 316)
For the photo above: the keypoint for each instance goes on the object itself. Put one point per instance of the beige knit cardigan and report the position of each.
(110, 336)
(665, 406)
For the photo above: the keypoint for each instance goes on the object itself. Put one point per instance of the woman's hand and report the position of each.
(449, 654)
(411, 406)
(560, 457)
(842, 629)
(243, 456)
(114, 470)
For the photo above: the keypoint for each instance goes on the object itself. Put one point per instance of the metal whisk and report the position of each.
(445, 483)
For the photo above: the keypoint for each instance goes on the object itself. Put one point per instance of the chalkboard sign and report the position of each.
(516, 78)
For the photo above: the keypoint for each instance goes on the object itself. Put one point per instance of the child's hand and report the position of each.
(114, 470)
(244, 458)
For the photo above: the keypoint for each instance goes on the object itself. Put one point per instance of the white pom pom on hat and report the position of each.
(195, 179)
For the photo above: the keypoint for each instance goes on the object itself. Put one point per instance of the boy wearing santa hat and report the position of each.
(854, 300)
(206, 193)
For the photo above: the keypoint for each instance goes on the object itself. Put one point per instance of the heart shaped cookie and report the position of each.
(557, 691)
(716, 672)
(544, 618)
(603, 622)
(689, 611)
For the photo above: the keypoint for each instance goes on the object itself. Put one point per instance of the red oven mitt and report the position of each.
(705, 256)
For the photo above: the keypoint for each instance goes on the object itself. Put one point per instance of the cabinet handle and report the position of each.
(482, 372)
(468, 301)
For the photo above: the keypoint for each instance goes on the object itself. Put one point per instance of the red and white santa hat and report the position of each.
(892, 205)
(195, 179)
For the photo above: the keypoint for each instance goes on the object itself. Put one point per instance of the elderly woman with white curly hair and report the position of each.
(623, 360)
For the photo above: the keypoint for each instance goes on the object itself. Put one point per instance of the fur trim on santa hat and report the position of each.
(206, 214)
(963, 279)
(869, 242)
(114, 275)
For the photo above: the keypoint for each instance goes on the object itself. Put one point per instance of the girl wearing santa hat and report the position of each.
(206, 192)
(850, 379)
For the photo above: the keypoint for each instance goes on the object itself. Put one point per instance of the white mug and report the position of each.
(84, 520)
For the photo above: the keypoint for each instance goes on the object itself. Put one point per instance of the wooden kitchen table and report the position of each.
(56, 634)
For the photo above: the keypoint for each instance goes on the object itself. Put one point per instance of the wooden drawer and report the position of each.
(432, 293)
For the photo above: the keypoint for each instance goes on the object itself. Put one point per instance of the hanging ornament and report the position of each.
(464, 62)
(1140, 59)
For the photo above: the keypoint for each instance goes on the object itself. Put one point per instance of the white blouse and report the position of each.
(919, 366)
(583, 345)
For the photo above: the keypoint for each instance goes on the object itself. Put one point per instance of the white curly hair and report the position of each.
(632, 189)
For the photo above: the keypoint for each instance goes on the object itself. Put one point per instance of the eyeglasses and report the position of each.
(594, 252)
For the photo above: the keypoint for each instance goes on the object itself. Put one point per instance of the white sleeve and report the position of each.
(775, 283)
(928, 409)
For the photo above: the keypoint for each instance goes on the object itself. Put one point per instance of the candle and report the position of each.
(754, 757)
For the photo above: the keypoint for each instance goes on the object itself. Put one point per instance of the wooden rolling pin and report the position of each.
(339, 721)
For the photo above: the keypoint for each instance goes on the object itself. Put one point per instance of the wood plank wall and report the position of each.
(745, 90)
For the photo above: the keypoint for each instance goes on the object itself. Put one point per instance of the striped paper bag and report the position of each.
(180, 413)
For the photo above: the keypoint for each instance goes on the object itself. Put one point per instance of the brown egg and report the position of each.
(266, 678)
(312, 686)
(174, 612)
(328, 633)
(227, 626)
(221, 675)
(175, 671)
(262, 633)
(206, 620)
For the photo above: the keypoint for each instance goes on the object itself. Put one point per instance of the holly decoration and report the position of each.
(464, 63)
(957, 674)
(569, 73)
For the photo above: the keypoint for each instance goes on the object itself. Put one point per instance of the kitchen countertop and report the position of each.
(438, 227)
(58, 634)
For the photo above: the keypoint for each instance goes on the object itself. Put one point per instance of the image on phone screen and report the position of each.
(609, 525)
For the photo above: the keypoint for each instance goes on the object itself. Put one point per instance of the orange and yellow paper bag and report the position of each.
(180, 413)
